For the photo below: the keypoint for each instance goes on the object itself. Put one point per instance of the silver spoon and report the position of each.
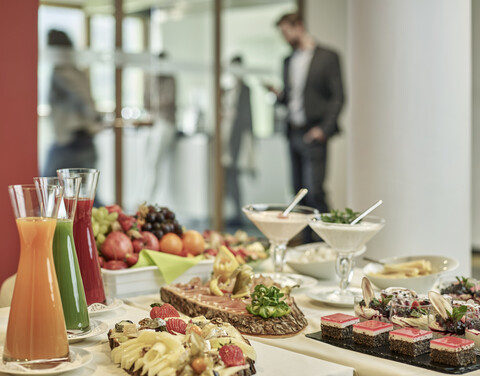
(373, 260)
(367, 212)
(301, 194)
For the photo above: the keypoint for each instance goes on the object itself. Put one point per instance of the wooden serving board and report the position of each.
(384, 352)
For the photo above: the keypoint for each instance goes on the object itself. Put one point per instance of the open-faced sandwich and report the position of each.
(253, 305)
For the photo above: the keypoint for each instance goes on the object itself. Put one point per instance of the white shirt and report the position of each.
(297, 76)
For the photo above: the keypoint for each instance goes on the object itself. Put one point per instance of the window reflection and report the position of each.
(169, 161)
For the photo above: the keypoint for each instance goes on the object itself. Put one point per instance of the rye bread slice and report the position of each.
(245, 322)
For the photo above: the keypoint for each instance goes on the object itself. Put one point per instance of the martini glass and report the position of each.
(278, 229)
(347, 241)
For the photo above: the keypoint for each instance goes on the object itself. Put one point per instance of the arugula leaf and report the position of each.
(338, 216)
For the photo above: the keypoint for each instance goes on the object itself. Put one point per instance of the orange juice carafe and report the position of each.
(36, 333)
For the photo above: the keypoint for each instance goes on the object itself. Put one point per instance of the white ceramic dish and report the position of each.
(313, 259)
(147, 280)
(98, 308)
(321, 295)
(291, 279)
(422, 284)
(96, 328)
(79, 358)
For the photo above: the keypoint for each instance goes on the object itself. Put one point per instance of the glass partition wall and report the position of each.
(167, 101)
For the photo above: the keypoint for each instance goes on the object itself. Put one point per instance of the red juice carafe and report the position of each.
(83, 233)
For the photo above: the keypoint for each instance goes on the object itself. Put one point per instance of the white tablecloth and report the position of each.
(271, 360)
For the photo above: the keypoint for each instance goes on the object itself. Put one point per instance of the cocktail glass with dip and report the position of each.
(347, 241)
(279, 229)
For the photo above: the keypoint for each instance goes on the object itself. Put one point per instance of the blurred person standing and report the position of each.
(237, 136)
(161, 102)
(313, 94)
(73, 114)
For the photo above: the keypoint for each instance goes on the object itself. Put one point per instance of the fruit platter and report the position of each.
(121, 237)
(155, 237)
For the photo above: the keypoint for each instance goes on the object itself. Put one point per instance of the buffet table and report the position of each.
(364, 365)
(279, 356)
(272, 360)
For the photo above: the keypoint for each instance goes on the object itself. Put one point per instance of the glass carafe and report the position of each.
(36, 334)
(83, 233)
(65, 257)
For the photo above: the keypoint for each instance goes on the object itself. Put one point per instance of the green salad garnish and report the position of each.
(466, 282)
(338, 216)
(266, 302)
(457, 313)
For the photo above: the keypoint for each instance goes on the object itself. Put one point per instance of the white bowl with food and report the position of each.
(313, 259)
(418, 273)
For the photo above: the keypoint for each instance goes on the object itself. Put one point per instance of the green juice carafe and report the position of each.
(65, 259)
(69, 278)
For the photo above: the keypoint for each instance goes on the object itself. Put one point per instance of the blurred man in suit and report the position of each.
(313, 94)
(237, 132)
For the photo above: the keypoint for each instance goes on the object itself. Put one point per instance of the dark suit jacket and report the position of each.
(323, 95)
(242, 122)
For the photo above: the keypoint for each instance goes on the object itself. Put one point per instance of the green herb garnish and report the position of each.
(457, 313)
(266, 302)
(464, 281)
(383, 302)
(418, 312)
(338, 216)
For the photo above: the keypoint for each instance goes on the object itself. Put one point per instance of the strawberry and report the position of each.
(163, 311)
(231, 355)
(126, 223)
(176, 326)
(114, 208)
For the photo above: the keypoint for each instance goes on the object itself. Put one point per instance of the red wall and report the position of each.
(18, 115)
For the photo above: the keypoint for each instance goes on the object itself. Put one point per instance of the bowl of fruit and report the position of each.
(133, 248)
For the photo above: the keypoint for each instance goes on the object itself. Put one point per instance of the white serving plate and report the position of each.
(314, 265)
(78, 358)
(99, 308)
(125, 283)
(290, 279)
(422, 284)
(96, 328)
(321, 295)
